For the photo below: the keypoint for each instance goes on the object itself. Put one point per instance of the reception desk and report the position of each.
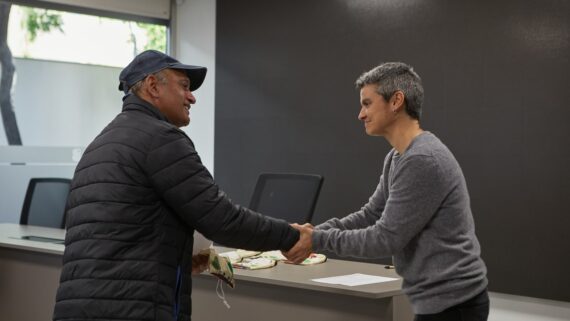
(29, 272)
(29, 276)
(286, 292)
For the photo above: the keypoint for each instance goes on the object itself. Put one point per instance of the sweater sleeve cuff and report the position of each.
(317, 240)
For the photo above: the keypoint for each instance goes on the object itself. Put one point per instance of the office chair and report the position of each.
(288, 196)
(44, 204)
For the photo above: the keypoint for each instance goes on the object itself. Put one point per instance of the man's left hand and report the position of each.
(199, 263)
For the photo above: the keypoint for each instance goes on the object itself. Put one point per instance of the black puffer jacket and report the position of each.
(138, 193)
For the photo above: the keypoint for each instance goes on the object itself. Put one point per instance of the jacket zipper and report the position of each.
(177, 292)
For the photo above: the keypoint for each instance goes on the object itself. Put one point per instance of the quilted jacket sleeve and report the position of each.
(186, 186)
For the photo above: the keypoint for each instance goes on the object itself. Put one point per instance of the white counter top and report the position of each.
(11, 237)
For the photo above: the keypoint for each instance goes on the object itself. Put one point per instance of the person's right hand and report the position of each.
(309, 225)
(199, 263)
(304, 247)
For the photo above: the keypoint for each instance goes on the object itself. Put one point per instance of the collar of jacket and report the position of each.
(133, 102)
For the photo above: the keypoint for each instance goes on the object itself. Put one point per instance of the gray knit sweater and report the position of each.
(420, 214)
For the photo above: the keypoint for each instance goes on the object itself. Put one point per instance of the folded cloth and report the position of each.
(314, 258)
(255, 263)
(238, 255)
(246, 253)
(274, 255)
(231, 256)
(220, 267)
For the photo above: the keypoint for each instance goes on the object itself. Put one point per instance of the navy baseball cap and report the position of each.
(151, 61)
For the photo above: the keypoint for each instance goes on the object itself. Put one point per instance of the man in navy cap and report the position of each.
(138, 193)
(177, 80)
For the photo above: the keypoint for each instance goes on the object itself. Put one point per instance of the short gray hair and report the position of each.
(160, 75)
(393, 76)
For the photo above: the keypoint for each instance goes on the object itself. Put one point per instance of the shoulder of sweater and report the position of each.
(427, 152)
(426, 144)
(389, 156)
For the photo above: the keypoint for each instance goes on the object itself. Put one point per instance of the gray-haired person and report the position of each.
(420, 212)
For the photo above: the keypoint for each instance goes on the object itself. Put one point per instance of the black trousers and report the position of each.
(476, 309)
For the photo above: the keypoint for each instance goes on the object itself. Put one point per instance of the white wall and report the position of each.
(63, 104)
(59, 106)
(195, 44)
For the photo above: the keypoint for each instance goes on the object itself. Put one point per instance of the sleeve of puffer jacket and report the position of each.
(187, 187)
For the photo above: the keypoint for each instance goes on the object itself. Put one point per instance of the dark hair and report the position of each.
(393, 76)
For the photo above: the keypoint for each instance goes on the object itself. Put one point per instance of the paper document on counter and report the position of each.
(354, 279)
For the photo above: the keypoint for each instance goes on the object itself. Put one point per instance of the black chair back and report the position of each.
(289, 196)
(44, 204)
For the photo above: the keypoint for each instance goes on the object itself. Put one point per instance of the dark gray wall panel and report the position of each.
(496, 76)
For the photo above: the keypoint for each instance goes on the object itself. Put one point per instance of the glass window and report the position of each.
(63, 72)
(71, 37)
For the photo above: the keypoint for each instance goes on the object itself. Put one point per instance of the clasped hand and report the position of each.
(304, 247)
(199, 263)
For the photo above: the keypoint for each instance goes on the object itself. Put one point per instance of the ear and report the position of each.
(397, 100)
(151, 85)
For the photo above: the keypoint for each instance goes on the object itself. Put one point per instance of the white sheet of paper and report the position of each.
(354, 279)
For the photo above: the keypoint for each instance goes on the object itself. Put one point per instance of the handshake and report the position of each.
(304, 247)
(297, 254)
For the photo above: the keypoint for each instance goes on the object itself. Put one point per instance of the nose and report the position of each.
(361, 114)
(190, 97)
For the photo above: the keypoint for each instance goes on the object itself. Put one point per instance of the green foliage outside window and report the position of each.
(40, 20)
(156, 36)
